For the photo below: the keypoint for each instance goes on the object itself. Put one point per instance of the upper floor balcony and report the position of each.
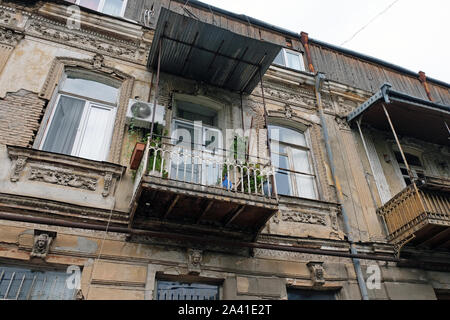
(203, 191)
(420, 213)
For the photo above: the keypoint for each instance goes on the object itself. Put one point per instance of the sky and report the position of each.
(413, 34)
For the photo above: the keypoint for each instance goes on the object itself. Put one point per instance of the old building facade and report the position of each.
(274, 166)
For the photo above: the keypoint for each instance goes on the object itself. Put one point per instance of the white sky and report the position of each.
(413, 34)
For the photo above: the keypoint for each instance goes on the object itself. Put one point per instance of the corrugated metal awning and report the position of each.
(204, 52)
(411, 116)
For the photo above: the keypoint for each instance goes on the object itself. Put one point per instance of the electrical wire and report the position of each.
(372, 20)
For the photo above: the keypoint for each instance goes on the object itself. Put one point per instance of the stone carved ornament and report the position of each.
(195, 258)
(63, 178)
(18, 167)
(301, 217)
(10, 37)
(88, 41)
(41, 245)
(317, 273)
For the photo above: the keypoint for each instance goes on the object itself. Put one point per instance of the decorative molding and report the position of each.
(195, 258)
(64, 170)
(10, 37)
(317, 273)
(89, 41)
(342, 123)
(63, 178)
(49, 208)
(301, 217)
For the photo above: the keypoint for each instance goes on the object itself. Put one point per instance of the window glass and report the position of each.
(291, 159)
(25, 284)
(287, 135)
(91, 4)
(301, 163)
(283, 180)
(97, 129)
(113, 7)
(305, 186)
(64, 126)
(279, 59)
(299, 294)
(194, 112)
(186, 291)
(293, 61)
(90, 89)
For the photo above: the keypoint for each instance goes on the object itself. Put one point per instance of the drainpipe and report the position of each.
(320, 77)
(305, 42)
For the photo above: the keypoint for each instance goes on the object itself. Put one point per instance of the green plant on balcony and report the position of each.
(247, 172)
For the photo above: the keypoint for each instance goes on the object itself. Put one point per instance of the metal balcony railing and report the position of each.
(217, 168)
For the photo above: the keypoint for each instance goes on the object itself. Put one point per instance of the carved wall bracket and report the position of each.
(195, 258)
(317, 273)
(41, 244)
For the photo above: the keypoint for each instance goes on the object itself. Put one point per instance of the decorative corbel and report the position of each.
(41, 244)
(98, 61)
(195, 258)
(18, 167)
(317, 273)
(108, 184)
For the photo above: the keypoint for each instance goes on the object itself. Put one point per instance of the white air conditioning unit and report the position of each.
(140, 114)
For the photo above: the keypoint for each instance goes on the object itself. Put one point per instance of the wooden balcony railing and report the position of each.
(421, 213)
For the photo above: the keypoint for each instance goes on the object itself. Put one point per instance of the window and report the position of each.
(299, 294)
(82, 121)
(186, 291)
(290, 59)
(111, 7)
(414, 164)
(26, 284)
(199, 140)
(291, 158)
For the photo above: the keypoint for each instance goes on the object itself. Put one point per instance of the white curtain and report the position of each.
(63, 129)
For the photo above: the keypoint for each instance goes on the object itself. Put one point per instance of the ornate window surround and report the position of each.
(97, 65)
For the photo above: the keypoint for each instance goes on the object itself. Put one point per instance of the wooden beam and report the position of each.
(437, 239)
(205, 211)
(234, 215)
(172, 205)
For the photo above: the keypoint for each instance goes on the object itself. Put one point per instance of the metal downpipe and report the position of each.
(320, 77)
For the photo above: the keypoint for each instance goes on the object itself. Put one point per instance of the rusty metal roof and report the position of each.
(204, 52)
(411, 116)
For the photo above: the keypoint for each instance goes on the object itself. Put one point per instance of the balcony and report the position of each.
(420, 216)
(200, 192)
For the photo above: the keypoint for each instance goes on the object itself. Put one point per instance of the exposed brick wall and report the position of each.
(20, 115)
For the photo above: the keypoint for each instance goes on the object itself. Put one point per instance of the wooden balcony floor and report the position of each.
(195, 209)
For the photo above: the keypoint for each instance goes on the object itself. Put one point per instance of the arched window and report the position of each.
(82, 119)
(291, 158)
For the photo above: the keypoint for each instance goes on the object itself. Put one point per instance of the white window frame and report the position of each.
(218, 156)
(290, 157)
(285, 51)
(81, 131)
(102, 5)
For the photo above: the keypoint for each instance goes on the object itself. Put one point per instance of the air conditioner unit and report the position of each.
(140, 114)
